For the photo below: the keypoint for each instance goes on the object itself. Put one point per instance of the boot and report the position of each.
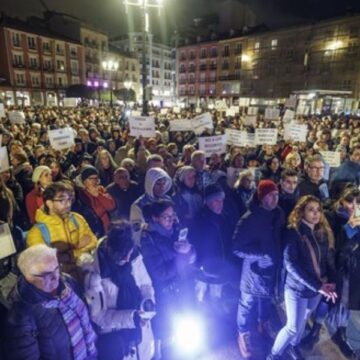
(244, 344)
(340, 339)
(294, 353)
(312, 337)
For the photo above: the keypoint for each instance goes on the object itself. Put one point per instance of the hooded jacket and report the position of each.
(136, 211)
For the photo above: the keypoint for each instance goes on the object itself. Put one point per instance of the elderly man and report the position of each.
(48, 320)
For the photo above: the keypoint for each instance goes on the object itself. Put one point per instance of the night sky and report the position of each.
(109, 15)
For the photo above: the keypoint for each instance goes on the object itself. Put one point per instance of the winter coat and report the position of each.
(307, 187)
(347, 172)
(123, 199)
(258, 233)
(301, 276)
(287, 202)
(23, 174)
(65, 236)
(33, 202)
(101, 294)
(34, 331)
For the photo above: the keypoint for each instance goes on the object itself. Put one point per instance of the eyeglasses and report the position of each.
(63, 201)
(48, 274)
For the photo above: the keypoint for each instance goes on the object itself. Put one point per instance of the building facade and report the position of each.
(36, 65)
(159, 65)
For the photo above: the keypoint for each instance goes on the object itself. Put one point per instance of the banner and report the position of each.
(181, 125)
(295, 132)
(7, 246)
(70, 102)
(291, 102)
(2, 111)
(248, 139)
(234, 137)
(289, 116)
(142, 126)
(17, 117)
(201, 123)
(266, 136)
(332, 158)
(213, 144)
(250, 120)
(61, 139)
(4, 159)
(272, 114)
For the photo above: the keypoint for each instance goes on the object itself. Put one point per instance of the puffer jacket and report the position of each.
(65, 236)
(258, 234)
(301, 277)
(34, 331)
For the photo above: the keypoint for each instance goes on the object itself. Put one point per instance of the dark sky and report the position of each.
(109, 15)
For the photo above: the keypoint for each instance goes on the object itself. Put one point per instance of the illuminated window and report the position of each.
(274, 44)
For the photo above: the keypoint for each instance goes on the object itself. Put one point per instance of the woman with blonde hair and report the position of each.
(293, 161)
(309, 264)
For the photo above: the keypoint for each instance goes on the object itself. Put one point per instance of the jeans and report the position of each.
(298, 310)
(251, 309)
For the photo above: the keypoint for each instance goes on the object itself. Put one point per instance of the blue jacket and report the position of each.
(258, 233)
(301, 277)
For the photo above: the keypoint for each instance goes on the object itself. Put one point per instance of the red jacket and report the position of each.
(33, 202)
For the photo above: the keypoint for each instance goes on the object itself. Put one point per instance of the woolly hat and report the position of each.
(88, 171)
(265, 187)
(213, 192)
(39, 170)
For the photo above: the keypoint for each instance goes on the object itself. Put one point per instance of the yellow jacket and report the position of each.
(70, 238)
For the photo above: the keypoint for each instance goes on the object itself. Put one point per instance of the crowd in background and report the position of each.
(135, 220)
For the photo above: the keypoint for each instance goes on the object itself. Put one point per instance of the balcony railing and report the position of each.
(192, 68)
(18, 65)
(202, 67)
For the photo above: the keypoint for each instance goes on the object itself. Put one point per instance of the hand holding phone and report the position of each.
(183, 234)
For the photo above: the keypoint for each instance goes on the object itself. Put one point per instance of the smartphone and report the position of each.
(183, 234)
(357, 211)
(147, 315)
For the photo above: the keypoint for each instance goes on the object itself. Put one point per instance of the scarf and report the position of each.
(76, 319)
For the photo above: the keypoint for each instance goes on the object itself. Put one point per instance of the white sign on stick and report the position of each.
(7, 246)
(266, 136)
(201, 123)
(252, 110)
(272, 114)
(289, 115)
(2, 111)
(70, 102)
(142, 126)
(213, 144)
(332, 158)
(232, 111)
(250, 120)
(248, 139)
(61, 139)
(220, 105)
(291, 102)
(17, 117)
(295, 132)
(181, 125)
(4, 159)
(163, 111)
(176, 110)
(234, 137)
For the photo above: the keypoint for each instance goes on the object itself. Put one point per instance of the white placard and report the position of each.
(142, 126)
(272, 114)
(244, 101)
(17, 117)
(220, 105)
(198, 110)
(135, 113)
(7, 246)
(61, 139)
(289, 115)
(266, 136)
(332, 158)
(4, 159)
(181, 125)
(70, 102)
(252, 110)
(303, 110)
(291, 102)
(2, 111)
(233, 111)
(250, 120)
(176, 110)
(163, 111)
(213, 144)
(234, 137)
(201, 123)
(295, 132)
(248, 139)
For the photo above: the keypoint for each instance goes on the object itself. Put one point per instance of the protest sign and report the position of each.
(2, 111)
(4, 159)
(17, 117)
(142, 126)
(198, 110)
(272, 114)
(180, 125)
(252, 111)
(288, 116)
(291, 102)
(302, 110)
(61, 139)
(248, 139)
(213, 144)
(7, 246)
(176, 110)
(332, 158)
(234, 137)
(295, 132)
(250, 120)
(266, 136)
(163, 111)
(220, 105)
(70, 102)
(201, 123)
(135, 113)
(244, 101)
(232, 111)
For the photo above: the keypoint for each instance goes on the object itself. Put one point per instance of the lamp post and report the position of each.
(144, 5)
(110, 66)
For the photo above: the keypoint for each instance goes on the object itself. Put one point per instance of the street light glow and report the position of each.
(334, 45)
(245, 58)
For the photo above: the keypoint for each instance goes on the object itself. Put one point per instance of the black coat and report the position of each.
(307, 187)
(287, 202)
(258, 233)
(300, 272)
(33, 331)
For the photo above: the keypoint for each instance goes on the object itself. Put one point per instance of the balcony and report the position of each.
(203, 55)
(48, 68)
(229, 77)
(202, 67)
(214, 54)
(183, 58)
(19, 65)
(16, 44)
(192, 68)
(34, 67)
(32, 47)
(212, 79)
(73, 54)
(46, 50)
(213, 67)
(74, 71)
(237, 51)
(225, 53)
(191, 81)
(60, 52)
(192, 56)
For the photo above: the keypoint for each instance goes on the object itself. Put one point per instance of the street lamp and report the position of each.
(144, 5)
(110, 66)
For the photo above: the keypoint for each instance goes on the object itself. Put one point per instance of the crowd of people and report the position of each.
(109, 232)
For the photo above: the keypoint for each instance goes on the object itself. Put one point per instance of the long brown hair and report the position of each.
(322, 229)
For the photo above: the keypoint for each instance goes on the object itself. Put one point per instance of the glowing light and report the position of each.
(245, 58)
(96, 83)
(334, 45)
(311, 95)
(105, 85)
(89, 83)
